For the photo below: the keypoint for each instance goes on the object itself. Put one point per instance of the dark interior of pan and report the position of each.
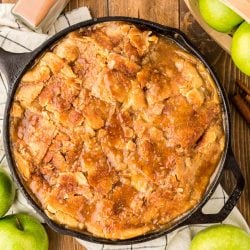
(14, 66)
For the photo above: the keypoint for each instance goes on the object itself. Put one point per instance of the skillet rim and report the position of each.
(181, 39)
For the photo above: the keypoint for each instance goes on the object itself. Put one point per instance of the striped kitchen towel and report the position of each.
(16, 37)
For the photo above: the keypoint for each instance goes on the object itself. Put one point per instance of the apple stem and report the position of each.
(19, 225)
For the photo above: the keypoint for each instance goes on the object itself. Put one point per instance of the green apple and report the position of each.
(221, 237)
(241, 48)
(22, 232)
(218, 15)
(7, 192)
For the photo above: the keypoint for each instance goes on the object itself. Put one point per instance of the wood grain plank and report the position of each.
(60, 242)
(98, 8)
(161, 11)
(227, 73)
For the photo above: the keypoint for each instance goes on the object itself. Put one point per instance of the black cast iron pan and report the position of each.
(14, 65)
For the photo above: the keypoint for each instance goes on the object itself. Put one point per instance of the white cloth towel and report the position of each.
(16, 37)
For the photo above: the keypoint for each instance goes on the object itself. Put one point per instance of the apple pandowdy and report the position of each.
(116, 131)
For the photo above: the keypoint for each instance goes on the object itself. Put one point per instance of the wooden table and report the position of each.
(175, 14)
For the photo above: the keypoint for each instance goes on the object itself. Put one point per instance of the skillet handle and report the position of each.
(199, 217)
(12, 64)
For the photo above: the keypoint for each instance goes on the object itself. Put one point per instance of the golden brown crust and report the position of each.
(114, 128)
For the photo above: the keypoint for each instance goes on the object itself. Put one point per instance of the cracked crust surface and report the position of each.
(116, 131)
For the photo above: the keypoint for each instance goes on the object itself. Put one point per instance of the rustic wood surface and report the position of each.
(175, 14)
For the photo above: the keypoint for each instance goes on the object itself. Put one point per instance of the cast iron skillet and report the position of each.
(14, 65)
